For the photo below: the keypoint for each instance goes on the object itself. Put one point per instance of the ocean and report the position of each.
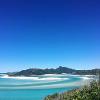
(37, 87)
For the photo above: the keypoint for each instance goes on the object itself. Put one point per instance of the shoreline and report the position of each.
(84, 80)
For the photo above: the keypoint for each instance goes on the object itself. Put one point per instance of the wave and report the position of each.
(62, 85)
(33, 78)
(63, 74)
(48, 82)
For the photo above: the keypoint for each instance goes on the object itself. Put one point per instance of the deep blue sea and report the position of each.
(36, 87)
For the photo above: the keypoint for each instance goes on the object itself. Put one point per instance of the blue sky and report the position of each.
(49, 33)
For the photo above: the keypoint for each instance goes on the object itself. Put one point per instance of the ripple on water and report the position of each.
(38, 82)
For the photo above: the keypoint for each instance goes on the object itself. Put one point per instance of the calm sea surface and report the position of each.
(35, 88)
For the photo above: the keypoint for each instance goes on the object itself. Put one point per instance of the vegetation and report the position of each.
(59, 70)
(91, 92)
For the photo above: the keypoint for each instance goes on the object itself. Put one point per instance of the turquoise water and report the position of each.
(29, 94)
(36, 88)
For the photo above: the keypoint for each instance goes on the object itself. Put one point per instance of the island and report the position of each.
(59, 70)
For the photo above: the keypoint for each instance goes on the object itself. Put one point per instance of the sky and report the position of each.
(49, 33)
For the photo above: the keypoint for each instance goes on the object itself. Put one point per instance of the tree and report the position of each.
(99, 76)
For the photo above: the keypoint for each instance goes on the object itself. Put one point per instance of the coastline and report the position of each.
(84, 80)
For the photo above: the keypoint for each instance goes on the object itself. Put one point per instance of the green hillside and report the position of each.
(91, 92)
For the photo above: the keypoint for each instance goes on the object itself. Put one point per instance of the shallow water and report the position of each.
(35, 88)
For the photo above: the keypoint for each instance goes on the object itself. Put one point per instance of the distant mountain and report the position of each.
(59, 70)
(86, 72)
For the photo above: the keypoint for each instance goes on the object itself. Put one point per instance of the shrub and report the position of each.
(91, 92)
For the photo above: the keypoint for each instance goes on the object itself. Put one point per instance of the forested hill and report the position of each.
(59, 70)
